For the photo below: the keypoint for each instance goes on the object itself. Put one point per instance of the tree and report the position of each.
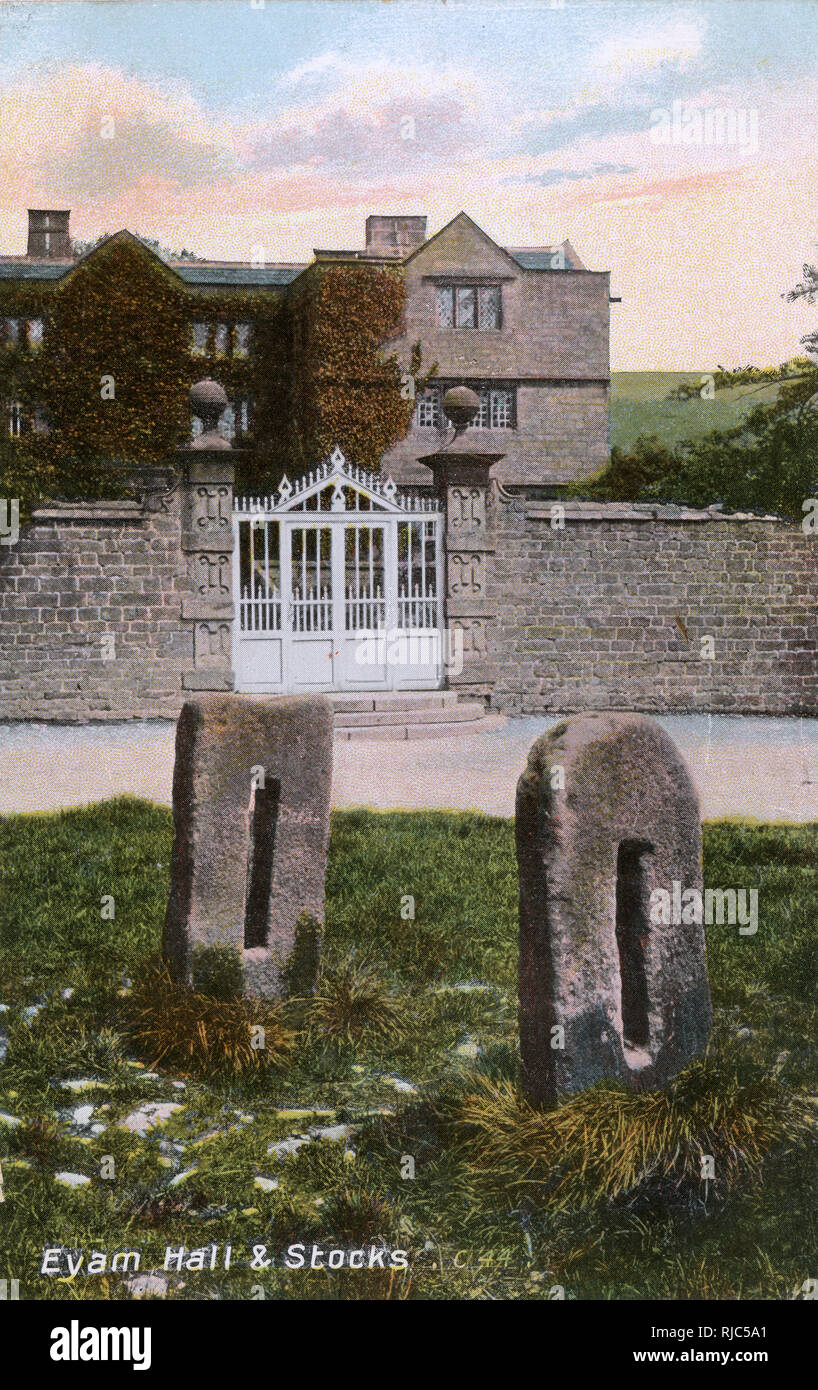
(769, 462)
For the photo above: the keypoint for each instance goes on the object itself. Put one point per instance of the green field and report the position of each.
(416, 1039)
(639, 405)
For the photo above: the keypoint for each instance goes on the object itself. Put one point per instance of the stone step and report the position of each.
(362, 701)
(441, 714)
(421, 730)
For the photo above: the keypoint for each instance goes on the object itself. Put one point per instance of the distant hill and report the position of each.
(640, 405)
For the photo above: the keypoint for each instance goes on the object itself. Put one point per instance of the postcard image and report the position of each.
(408, 665)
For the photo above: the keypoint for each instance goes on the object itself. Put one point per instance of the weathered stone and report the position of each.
(251, 800)
(606, 813)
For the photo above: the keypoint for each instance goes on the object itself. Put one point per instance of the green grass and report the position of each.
(387, 1010)
(640, 405)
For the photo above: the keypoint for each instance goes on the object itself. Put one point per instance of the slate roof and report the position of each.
(236, 274)
(11, 269)
(542, 257)
(192, 272)
(242, 273)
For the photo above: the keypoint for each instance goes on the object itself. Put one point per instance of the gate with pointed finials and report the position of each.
(336, 585)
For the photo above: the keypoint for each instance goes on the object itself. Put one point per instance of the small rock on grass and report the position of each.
(285, 1147)
(72, 1179)
(147, 1116)
(141, 1284)
(265, 1184)
(331, 1132)
(401, 1085)
(11, 1121)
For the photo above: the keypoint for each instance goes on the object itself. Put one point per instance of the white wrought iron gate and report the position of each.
(336, 585)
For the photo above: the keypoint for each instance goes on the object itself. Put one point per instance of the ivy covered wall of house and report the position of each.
(95, 369)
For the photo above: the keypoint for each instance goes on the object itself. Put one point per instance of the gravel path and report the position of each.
(742, 765)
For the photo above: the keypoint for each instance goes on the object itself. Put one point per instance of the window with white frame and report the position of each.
(35, 332)
(203, 333)
(427, 408)
(498, 408)
(16, 419)
(469, 306)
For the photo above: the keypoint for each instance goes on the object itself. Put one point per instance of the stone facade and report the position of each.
(552, 345)
(610, 611)
(546, 352)
(113, 610)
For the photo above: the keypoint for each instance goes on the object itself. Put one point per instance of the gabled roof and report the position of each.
(246, 274)
(472, 225)
(236, 273)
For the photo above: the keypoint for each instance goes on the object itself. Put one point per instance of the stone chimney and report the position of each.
(48, 236)
(394, 236)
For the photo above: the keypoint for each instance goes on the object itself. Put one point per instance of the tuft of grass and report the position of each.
(200, 1035)
(353, 1003)
(608, 1142)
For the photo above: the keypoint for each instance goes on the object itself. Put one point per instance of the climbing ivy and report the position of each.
(116, 363)
(343, 389)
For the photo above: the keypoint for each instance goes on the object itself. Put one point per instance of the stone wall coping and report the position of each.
(638, 511)
(111, 510)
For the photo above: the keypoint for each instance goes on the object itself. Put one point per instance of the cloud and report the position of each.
(318, 66)
(647, 48)
(95, 133)
(552, 177)
(378, 118)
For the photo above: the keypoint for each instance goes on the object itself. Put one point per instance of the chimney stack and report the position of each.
(394, 236)
(48, 235)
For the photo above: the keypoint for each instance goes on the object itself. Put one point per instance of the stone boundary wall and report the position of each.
(79, 574)
(609, 612)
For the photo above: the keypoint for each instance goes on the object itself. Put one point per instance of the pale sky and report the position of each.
(225, 125)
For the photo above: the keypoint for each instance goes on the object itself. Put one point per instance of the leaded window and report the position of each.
(469, 306)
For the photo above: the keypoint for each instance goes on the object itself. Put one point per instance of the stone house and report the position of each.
(525, 327)
(459, 567)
